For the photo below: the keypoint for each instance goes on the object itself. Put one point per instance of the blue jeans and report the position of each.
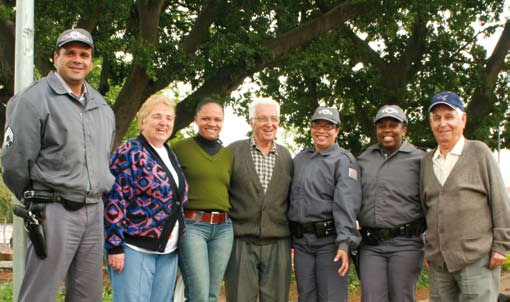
(145, 277)
(204, 252)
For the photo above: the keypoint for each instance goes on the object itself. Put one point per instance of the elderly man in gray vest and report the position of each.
(467, 209)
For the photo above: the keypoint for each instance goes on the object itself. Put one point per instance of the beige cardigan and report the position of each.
(470, 215)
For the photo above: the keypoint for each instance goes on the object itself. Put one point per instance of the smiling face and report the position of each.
(158, 125)
(265, 123)
(73, 63)
(324, 134)
(447, 125)
(390, 134)
(209, 121)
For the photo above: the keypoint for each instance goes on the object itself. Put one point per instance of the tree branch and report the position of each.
(132, 94)
(364, 52)
(305, 33)
(497, 59)
(7, 55)
(411, 59)
(483, 97)
(200, 31)
(229, 78)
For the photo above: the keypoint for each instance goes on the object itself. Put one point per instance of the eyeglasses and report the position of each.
(264, 119)
(327, 126)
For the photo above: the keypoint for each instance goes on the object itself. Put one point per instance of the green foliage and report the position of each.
(354, 282)
(506, 264)
(450, 58)
(6, 13)
(423, 280)
(6, 205)
(6, 292)
(400, 52)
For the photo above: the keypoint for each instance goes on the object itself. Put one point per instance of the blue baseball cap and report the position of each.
(447, 98)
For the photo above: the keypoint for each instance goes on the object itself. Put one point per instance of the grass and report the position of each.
(6, 292)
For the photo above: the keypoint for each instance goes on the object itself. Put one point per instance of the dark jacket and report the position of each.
(254, 213)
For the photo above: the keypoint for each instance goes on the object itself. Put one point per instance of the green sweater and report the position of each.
(208, 176)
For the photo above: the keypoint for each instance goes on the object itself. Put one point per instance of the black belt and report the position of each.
(47, 197)
(373, 236)
(320, 228)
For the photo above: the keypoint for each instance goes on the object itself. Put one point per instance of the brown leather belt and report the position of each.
(208, 217)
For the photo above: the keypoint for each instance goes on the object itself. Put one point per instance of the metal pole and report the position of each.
(499, 143)
(23, 76)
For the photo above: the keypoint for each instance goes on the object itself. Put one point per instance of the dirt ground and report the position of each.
(5, 276)
(422, 293)
(354, 296)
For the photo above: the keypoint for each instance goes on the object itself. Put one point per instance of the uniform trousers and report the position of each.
(317, 274)
(75, 252)
(258, 269)
(474, 283)
(389, 271)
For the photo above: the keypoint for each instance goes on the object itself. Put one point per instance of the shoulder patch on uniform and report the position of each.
(353, 173)
(8, 138)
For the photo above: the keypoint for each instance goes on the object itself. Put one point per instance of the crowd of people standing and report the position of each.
(234, 213)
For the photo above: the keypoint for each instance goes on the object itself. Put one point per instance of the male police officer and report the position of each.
(58, 137)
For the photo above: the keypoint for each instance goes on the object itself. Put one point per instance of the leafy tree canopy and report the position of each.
(355, 54)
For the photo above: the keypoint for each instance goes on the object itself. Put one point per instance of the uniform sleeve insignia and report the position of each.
(8, 138)
(353, 173)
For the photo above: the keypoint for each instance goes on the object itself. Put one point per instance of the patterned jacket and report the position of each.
(138, 208)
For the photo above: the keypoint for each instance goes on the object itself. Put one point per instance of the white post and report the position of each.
(23, 76)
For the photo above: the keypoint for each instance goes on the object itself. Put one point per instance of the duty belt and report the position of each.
(320, 228)
(374, 236)
(47, 197)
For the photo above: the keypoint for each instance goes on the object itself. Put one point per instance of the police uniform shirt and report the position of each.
(326, 186)
(391, 186)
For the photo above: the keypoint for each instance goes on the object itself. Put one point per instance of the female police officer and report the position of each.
(391, 218)
(324, 201)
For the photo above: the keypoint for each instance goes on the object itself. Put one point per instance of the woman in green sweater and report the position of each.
(205, 248)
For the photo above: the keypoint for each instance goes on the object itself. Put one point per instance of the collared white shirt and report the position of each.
(443, 165)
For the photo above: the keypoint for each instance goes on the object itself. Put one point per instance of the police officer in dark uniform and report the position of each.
(324, 201)
(391, 217)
